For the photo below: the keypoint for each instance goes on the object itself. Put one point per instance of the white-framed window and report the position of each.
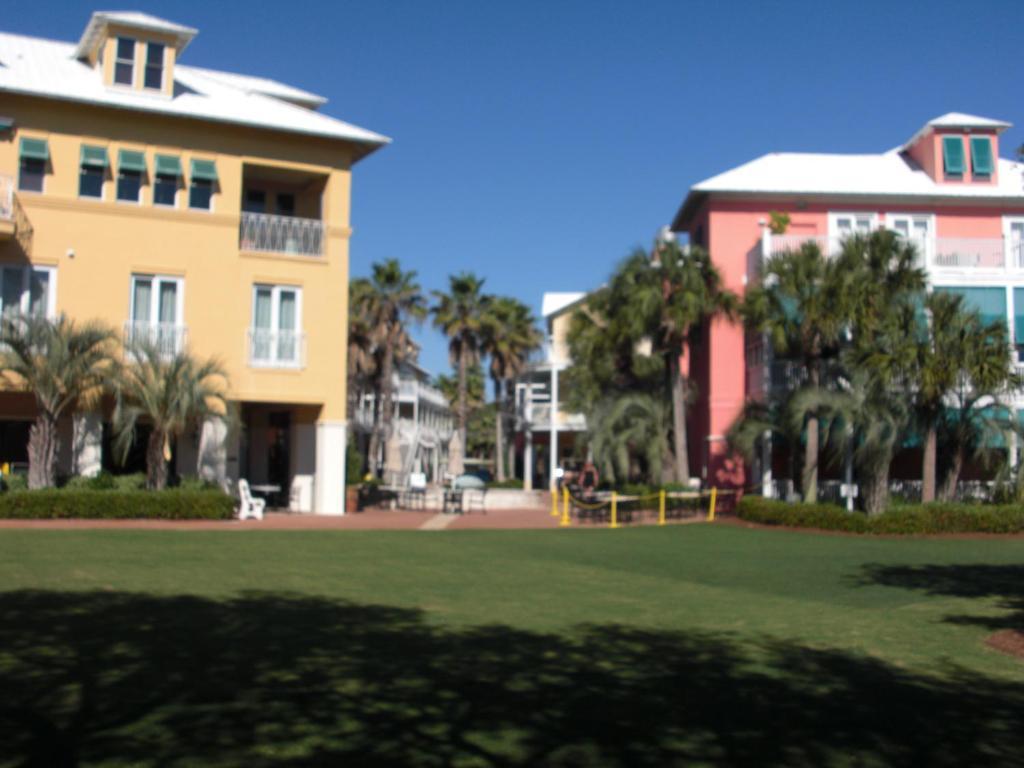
(124, 61)
(842, 225)
(1013, 237)
(917, 228)
(276, 338)
(28, 290)
(156, 312)
(153, 76)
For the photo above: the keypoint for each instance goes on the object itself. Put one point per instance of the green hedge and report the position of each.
(513, 484)
(937, 517)
(172, 504)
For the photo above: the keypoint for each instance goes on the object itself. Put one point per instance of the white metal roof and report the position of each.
(137, 19)
(888, 174)
(555, 302)
(50, 69)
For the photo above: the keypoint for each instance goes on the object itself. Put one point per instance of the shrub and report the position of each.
(353, 464)
(134, 482)
(512, 483)
(104, 481)
(194, 483)
(937, 517)
(173, 504)
(14, 482)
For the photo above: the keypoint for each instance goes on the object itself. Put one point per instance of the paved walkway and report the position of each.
(366, 520)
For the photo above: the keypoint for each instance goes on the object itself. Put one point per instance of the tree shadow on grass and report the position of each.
(1003, 582)
(269, 680)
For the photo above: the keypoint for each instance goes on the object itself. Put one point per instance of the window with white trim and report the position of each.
(275, 339)
(843, 225)
(157, 304)
(124, 61)
(917, 229)
(153, 77)
(28, 290)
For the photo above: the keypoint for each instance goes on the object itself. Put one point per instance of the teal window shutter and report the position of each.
(990, 303)
(204, 169)
(131, 160)
(34, 149)
(94, 157)
(953, 155)
(981, 157)
(168, 165)
(1018, 320)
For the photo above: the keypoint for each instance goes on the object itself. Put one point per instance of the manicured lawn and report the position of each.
(688, 645)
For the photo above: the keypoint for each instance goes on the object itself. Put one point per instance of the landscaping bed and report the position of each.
(74, 503)
(937, 517)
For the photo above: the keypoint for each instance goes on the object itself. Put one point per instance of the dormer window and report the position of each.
(981, 158)
(124, 62)
(953, 157)
(154, 78)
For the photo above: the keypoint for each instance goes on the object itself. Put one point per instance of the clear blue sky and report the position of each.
(536, 142)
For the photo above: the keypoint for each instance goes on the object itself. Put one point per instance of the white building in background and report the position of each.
(423, 421)
(547, 434)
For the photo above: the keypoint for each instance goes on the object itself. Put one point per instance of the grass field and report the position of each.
(688, 645)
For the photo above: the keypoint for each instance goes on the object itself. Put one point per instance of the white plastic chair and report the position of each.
(248, 505)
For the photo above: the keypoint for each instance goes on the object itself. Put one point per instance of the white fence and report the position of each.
(281, 234)
(169, 338)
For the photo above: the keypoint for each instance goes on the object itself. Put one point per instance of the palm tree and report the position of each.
(173, 394)
(799, 303)
(957, 361)
(391, 299)
(459, 314)
(629, 426)
(775, 416)
(675, 291)
(510, 334)
(362, 343)
(65, 365)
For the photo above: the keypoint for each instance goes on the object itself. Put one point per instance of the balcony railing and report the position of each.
(281, 234)
(276, 349)
(6, 198)
(168, 338)
(939, 252)
(413, 390)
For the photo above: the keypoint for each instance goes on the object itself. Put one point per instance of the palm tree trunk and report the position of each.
(387, 394)
(42, 452)
(931, 440)
(463, 385)
(156, 461)
(682, 456)
(876, 489)
(510, 411)
(499, 442)
(809, 474)
(948, 490)
(373, 452)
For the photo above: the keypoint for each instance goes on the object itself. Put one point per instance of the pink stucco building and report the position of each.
(946, 188)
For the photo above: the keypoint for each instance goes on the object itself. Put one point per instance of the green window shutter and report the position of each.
(131, 160)
(953, 155)
(94, 157)
(204, 169)
(981, 156)
(168, 165)
(990, 303)
(34, 149)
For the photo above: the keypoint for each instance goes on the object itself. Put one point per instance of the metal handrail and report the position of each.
(268, 233)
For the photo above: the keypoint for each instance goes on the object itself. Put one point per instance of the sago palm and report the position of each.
(65, 365)
(172, 394)
(459, 315)
(625, 426)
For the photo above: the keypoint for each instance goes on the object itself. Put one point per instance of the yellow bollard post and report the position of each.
(615, 511)
(565, 522)
(711, 507)
(661, 507)
(554, 501)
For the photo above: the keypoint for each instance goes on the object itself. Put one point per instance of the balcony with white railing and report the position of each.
(270, 348)
(168, 338)
(959, 253)
(268, 233)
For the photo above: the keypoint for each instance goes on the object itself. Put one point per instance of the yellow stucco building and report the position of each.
(192, 207)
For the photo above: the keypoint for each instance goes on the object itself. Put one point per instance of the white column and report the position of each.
(553, 440)
(766, 464)
(212, 461)
(329, 486)
(528, 459)
(87, 444)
